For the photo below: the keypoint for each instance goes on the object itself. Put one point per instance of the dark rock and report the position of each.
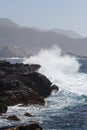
(22, 84)
(54, 88)
(3, 108)
(32, 68)
(23, 95)
(32, 126)
(28, 114)
(43, 85)
(13, 117)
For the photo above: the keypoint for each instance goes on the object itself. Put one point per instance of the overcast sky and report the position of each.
(65, 14)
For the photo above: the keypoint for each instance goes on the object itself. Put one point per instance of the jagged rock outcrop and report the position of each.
(21, 83)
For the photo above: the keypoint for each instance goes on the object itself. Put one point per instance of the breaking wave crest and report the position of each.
(62, 70)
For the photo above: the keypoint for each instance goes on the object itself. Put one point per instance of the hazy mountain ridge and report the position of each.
(12, 51)
(32, 40)
(69, 33)
(8, 23)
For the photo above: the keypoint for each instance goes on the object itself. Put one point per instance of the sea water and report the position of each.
(65, 110)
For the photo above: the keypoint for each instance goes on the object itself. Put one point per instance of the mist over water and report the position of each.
(62, 70)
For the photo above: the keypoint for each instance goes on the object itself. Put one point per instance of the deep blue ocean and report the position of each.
(65, 110)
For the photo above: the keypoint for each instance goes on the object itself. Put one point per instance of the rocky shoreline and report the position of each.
(30, 126)
(22, 84)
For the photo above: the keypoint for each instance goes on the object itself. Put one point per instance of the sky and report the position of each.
(47, 14)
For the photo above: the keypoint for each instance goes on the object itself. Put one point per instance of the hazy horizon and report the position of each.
(38, 28)
(70, 15)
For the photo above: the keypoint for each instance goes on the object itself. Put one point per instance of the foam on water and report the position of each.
(61, 70)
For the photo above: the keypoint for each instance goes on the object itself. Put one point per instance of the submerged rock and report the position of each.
(13, 117)
(28, 114)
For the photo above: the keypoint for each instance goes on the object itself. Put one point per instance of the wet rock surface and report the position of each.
(22, 84)
(13, 117)
(28, 115)
(31, 126)
(54, 88)
(3, 108)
